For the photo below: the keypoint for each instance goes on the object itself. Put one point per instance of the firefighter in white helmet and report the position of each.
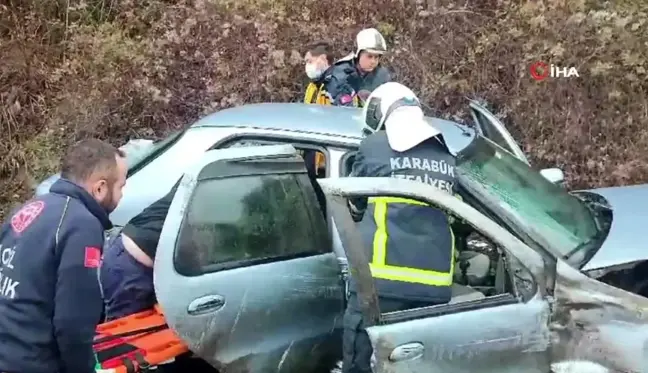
(363, 69)
(410, 245)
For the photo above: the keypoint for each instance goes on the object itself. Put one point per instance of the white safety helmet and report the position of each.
(370, 40)
(406, 127)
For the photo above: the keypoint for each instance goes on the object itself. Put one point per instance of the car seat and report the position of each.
(476, 266)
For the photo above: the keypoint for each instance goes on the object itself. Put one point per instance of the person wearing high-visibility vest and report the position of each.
(328, 84)
(410, 245)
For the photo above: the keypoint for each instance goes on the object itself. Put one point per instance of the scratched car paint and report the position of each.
(286, 315)
(573, 323)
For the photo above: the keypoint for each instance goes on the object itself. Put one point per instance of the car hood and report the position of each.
(626, 241)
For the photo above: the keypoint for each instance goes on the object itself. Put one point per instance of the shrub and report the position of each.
(79, 68)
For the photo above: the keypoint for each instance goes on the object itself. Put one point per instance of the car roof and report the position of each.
(306, 118)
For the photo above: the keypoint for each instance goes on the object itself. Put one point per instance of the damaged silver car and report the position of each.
(538, 314)
(273, 299)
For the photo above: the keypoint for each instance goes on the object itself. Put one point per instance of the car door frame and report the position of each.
(555, 175)
(499, 126)
(337, 192)
(335, 149)
(170, 288)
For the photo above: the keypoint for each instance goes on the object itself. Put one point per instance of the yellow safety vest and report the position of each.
(316, 94)
(320, 160)
(379, 267)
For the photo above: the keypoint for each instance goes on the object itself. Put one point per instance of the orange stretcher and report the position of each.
(137, 342)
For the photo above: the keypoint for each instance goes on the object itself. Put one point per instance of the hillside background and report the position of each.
(119, 69)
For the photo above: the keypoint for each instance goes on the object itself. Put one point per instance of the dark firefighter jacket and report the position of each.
(358, 80)
(410, 244)
(332, 88)
(50, 300)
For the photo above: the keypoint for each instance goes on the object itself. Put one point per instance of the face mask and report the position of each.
(313, 72)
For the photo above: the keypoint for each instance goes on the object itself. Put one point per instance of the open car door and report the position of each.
(493, 129)
(244, 271)
(503, 332)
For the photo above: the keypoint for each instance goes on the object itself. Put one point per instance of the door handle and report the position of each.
(408, 351)
(206, 304)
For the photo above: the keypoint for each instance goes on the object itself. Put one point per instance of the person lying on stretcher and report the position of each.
(127, 269)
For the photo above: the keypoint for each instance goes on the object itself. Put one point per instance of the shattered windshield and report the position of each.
(534, 204)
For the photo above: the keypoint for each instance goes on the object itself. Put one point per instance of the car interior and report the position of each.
(314, 159)
(481, 268)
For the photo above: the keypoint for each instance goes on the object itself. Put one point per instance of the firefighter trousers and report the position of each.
(356, 345)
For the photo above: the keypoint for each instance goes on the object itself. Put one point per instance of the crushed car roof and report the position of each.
(299, 117)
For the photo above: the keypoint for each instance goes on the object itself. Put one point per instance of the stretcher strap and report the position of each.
(142, 365)
(130, 367)
(130, 333)
(120, 350)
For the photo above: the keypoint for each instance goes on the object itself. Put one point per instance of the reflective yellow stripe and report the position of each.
(380, 236)
(323, 99)
(411, 275)
(316, 95)
(309, 95)
(379, 267)
(452, 255)
(396, 200)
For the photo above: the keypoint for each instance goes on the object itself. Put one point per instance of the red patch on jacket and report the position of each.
(92, 257)
(346, 99)
(26, 215)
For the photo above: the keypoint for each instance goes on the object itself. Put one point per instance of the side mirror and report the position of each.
(555, 175)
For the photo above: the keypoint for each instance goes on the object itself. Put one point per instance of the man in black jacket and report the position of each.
(50, 299)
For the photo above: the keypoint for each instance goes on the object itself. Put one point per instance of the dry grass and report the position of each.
(118, 69)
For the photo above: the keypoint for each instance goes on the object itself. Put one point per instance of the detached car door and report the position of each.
(244, 271)
(493, 129)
